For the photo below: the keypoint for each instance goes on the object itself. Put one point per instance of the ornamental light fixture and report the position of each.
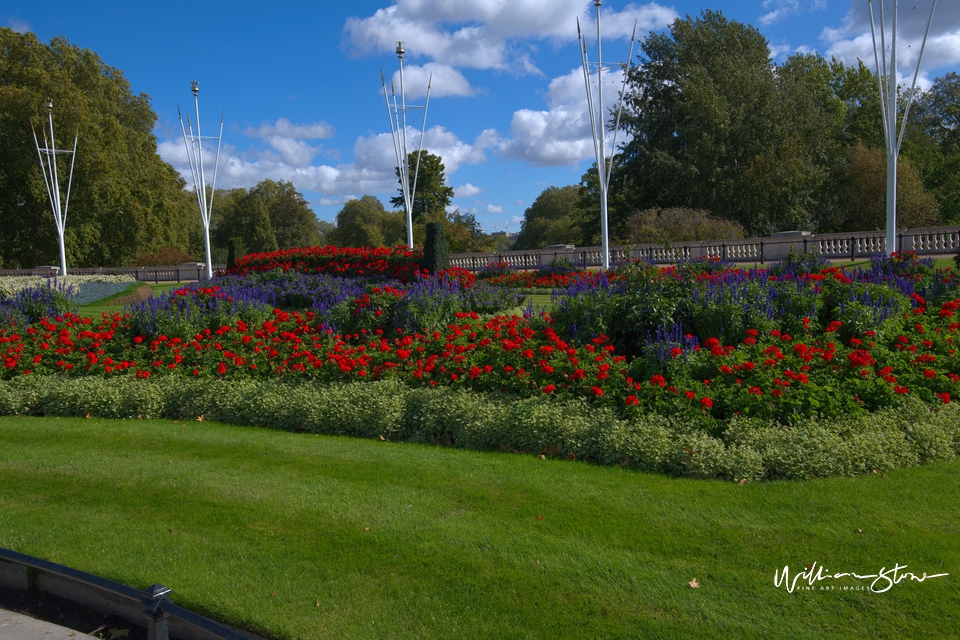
(194, 145)
(598, 124)
(889, 98)
(397, 112)
(48, 165)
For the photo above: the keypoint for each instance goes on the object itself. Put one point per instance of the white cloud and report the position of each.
(561, 135)
(443, 79)
(467, 191)
(372, 172)
(19, 26)
(853, 40)
(286, 129)
(785, 8)
(494, 208)
(481, 34)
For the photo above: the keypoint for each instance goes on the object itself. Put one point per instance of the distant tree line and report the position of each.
(724, 143)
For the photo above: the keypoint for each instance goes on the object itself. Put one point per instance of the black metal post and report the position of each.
(853, 248)
(761, 252)
(900, 242)
(804, 246)
(153, 598)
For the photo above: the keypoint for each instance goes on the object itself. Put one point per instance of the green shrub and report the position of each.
(436, 256)
(749, 449)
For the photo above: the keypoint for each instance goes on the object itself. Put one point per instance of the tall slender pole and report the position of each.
(889, 98)
(194, 146)
(398, 129)
(51, 178)
(598, 128)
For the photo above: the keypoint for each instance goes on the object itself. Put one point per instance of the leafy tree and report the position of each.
(124, 200)
(325, 230)
(937, 152)
(432, 195)
(678, 225)
(551, 219)
(294, 223)
(365, 223)
(864, 193)
(271, 214)
(716, 125)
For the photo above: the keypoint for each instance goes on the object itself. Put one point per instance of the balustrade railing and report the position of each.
(835, 246)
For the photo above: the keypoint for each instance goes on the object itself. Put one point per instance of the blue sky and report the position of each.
(300, 85)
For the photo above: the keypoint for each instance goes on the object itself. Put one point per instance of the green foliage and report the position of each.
(748, 449)
(365, 223)
(678, 225)
(436, 257)
(270, 216)
(431, 195)
(124, 199)
(232, 253)
(863, 196)
(165, 256)
(551, 219)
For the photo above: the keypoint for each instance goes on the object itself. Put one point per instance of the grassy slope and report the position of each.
(268, 530)
(105, 306)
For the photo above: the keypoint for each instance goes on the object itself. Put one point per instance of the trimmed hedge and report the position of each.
(749, 449)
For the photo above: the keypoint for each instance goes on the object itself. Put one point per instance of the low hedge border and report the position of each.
(748, 450)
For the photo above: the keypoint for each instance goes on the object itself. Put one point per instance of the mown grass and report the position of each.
(108, 305)
(305, 536)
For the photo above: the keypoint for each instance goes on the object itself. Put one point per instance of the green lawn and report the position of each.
(109, 306)
(306, 536)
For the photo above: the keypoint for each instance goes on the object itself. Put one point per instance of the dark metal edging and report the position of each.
(157, 608)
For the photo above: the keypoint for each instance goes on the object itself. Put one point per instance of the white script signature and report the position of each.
(882, 581)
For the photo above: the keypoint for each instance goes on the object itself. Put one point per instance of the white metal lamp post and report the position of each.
(889, 98)
(598, 126)
(194, 146)
(48, 164)
(398, 129)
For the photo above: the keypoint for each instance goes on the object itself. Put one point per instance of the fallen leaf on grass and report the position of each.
(318, 602)
(89, 416)
(382, 438)
(199, 418)
(366, 529)
(693, 583)
(743, 481)
(541, 518)
(859, 530)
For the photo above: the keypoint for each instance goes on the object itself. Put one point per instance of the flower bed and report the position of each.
(702, 344)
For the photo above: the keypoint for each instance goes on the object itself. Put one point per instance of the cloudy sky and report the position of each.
(299, 82)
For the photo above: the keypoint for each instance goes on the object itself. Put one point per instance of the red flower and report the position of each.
(706, 403)
(945, 397)
(631, 400)
(597, 391)
(929, 373)
(657, 380)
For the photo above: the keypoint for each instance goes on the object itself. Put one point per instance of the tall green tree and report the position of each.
(364, 222)
(294, 223)
(270, 214)
(432, 195)
(124, 201)
(551, 219)
(715, 125)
